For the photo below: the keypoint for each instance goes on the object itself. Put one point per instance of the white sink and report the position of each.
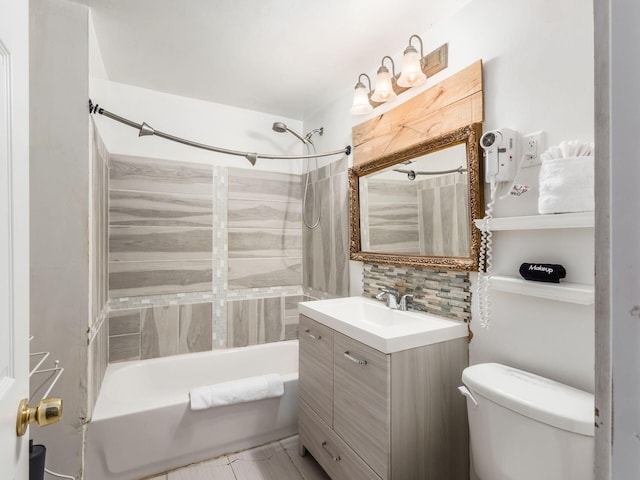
(373, 323)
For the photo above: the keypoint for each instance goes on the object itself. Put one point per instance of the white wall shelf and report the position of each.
(564, 292)
(541, 222)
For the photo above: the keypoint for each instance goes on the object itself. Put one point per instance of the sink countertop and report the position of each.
(376, 325)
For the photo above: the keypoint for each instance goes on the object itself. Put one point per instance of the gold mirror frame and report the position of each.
(469, 135)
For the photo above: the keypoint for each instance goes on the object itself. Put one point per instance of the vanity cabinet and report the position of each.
(367, 415)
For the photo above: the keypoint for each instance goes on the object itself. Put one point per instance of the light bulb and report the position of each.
(384, 88)
(411, 74)
(361, 103)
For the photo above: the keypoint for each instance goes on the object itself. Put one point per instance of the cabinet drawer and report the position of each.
(335, 456)
(361, 409)
(315, 385)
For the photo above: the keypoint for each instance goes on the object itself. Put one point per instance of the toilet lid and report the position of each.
(536, 397)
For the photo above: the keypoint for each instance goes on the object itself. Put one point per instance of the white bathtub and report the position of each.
(142, 423)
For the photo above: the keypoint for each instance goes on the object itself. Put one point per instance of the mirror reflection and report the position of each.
(418, 207)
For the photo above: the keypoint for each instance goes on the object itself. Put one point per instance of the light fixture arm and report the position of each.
(393, 65)
(368, 80)
(420, 41)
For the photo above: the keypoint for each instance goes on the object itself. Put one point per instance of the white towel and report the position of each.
(566, 185)
(237, 391)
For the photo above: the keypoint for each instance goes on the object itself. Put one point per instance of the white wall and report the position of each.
(59, 184)
(538, 75)
(204, 122)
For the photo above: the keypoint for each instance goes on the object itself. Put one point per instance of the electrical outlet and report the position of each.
(533, 145)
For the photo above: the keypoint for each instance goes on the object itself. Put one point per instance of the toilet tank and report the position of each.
(527, 427)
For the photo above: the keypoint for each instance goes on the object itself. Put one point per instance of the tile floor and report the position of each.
(274, 461)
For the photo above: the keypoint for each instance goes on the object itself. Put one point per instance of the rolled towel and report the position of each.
(237, 391)
(566, 185)
(543, 272)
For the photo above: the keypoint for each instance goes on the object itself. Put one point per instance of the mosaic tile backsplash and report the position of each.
(441, 292)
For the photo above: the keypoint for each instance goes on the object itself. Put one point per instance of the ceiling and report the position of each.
(284, 57)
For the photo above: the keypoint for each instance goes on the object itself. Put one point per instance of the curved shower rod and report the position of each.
(144, 130)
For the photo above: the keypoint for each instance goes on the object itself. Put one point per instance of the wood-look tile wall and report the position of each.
(140, 333)
(443, 204)
(326, 247)
(172, 226)
(160, 218)
(98, 241)
(265, 229)
(99, 225)
(392, 216)
(262, 320)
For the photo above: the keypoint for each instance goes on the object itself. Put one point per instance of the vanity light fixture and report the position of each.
(416, 68)
(384, 83)
(361, 104)
(411, 74)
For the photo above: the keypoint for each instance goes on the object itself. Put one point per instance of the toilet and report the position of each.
(526, 427)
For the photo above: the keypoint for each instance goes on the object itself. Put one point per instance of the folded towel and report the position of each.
(237, 391)
(566, 185)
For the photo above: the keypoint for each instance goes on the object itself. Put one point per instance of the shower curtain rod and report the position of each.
(441, 172)
(144, 130)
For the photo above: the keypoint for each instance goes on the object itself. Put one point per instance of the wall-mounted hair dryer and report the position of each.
(500, 156)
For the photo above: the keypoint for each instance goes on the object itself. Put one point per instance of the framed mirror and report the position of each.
(416, 207)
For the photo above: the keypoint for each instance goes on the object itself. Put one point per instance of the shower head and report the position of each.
(282, 127)
(279, 127)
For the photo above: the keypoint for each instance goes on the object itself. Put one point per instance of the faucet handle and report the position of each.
(403, 301)
(392, 291)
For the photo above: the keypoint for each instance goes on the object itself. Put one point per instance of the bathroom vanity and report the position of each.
(378, 391)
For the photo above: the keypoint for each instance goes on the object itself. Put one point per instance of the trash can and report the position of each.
(37, 455)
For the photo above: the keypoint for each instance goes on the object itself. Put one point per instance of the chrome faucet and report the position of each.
(403, 301)
(392, 298)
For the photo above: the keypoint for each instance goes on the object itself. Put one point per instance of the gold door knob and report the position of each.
(48, 411)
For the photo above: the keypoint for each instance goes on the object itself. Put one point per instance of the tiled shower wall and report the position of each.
(326, 247)
(390, 222)
(98, 334)
(160, 227)
(426, 216)
(201, 257)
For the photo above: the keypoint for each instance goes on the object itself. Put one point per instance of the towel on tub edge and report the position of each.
(237, 391)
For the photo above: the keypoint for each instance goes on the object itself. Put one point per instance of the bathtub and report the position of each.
(142, 424)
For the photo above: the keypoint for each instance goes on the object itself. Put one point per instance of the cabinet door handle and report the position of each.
(309, 334)
(335, 458)
(354, 359)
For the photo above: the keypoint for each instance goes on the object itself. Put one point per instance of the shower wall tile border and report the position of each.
(440, 292)
(125, 303)
(220, 254)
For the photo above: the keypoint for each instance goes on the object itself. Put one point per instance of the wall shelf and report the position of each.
(564, 292)
(541, 222)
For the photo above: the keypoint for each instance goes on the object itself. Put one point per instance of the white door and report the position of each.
(14, 233)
